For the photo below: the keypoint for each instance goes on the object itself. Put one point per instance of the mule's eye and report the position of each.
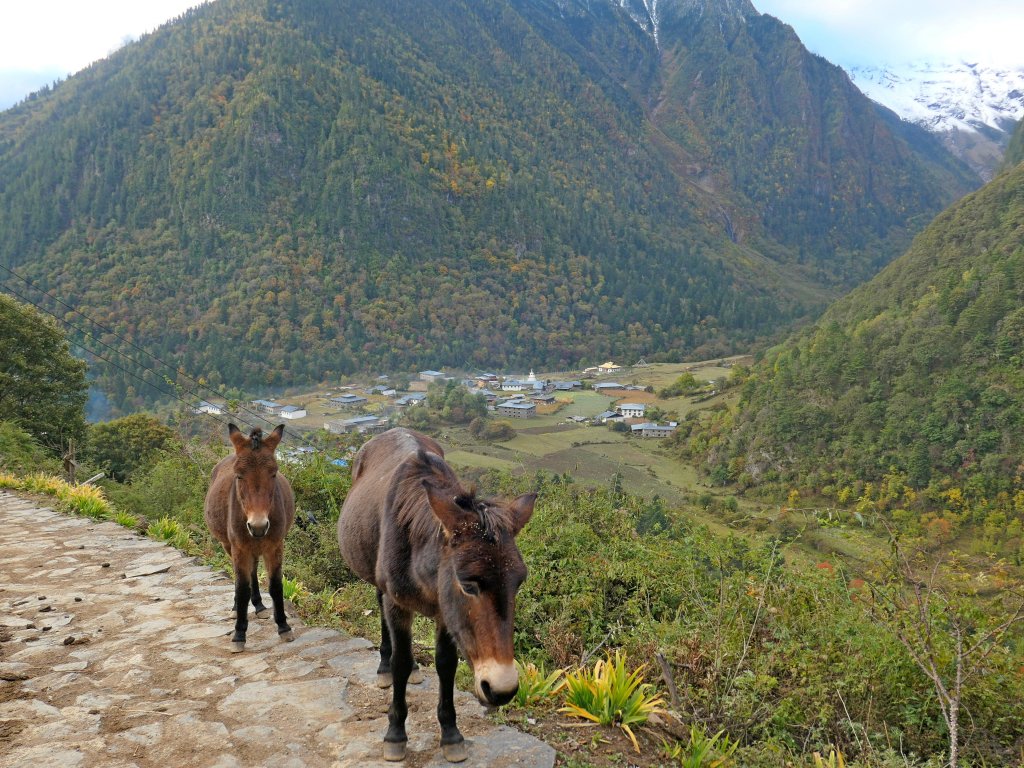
(470, 588)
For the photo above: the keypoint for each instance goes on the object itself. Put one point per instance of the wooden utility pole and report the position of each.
(70, 465)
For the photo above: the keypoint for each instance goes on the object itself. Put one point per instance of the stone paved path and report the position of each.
(114, 652)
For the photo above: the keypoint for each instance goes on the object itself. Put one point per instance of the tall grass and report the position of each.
(86, 500)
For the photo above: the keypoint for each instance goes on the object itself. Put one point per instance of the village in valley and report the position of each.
(594, 423)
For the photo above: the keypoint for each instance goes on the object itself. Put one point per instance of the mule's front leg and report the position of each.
(273, 560)
(447, 660)
(243, 588)
(384, 668)
(400, 629)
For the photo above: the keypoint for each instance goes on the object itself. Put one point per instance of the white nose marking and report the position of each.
(500, 676)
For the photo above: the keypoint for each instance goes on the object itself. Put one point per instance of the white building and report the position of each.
(293, 412)
(631, 410)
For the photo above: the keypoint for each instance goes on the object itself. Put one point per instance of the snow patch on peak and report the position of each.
(968, 103)
(942, 96)
(645, 14)
(649, 15)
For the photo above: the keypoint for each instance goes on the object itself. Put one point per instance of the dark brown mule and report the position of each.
(249, 508)
(431, 547)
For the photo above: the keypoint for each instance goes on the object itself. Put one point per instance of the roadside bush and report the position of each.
(20, 452)
(124, 446)
(492, 431)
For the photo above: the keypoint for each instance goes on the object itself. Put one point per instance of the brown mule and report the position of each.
(431, 547)
(249, 509)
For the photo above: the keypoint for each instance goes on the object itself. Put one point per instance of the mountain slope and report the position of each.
(916, 374)
(267, 193)
(1015, 149)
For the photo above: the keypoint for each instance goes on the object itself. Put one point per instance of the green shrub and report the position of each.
(20, 452)
(124, 446)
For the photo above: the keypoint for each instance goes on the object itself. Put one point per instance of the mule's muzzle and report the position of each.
(258, 530)
(496, 683)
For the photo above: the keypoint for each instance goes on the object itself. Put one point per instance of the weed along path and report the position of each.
(114, 652)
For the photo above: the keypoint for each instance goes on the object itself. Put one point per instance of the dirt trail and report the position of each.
(114, 652)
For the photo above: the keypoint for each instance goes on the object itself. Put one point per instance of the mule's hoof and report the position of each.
(234, 614)
(237, 647)
(416, 676)
(394, 751)
(287, 636)
(455, 753)
(384, 680)
(262, 613)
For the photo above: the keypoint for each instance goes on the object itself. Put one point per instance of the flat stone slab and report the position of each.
(147, 570)
(115, 652)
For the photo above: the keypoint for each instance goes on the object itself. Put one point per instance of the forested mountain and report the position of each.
(916, 376)
(276, 192)
(1015, 151)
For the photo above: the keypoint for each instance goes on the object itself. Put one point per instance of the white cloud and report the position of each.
(68, 35)
(879, 31)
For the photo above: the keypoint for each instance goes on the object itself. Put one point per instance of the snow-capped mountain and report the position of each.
(972, 106)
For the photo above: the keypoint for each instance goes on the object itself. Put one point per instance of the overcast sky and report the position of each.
(895, 31)
(41, 40)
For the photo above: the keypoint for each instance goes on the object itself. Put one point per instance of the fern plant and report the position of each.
(294, 590)
(85, 500)
(835, 760)
(701, 750)
(536, 685)
(609, 694)
(169, 530)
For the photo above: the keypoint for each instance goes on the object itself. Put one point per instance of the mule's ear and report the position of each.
(274, 437)
(238, 439)
(522, 510)
(445, 509)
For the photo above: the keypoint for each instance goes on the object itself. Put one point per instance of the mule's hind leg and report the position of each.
(273, 560)
(384, 676)
(399, 623)
(243, 586)
(453, 745)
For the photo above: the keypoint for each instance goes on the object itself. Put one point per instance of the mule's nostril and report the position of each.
(496, 698)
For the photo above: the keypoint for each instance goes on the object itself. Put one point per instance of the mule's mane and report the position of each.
(408, 499)
(256, 436)
(492, 518)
